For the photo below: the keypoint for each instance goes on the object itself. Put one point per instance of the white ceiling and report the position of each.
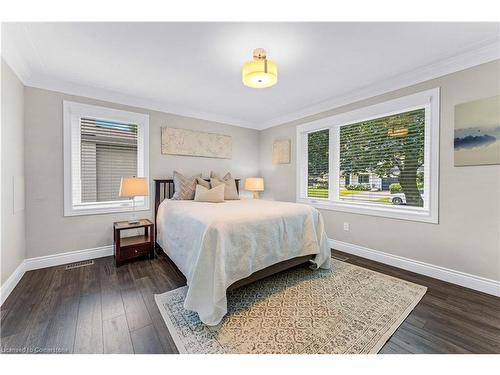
(194, 69)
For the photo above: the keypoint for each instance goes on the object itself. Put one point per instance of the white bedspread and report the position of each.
(216, 244)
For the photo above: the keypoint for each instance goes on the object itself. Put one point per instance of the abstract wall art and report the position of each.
(477, 132)
(195, 143)
(281, 152)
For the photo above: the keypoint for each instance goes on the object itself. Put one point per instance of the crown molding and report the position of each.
(17, 63)
(71, 88)
(13, 57)
(482, 53)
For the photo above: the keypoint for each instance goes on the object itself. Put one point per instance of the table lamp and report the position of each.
(131, 187)
(254, 184)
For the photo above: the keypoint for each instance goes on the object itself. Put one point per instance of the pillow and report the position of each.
(184, 186)
(230, 192)
(214, 195)
(202, 182)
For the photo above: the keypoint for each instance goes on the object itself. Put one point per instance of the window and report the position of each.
(100, 146)
(381, 160)
(317, 165)
(362, 178)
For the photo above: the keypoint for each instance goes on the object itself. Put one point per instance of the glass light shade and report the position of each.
(133, 187)
(259, 74)
(254, 184)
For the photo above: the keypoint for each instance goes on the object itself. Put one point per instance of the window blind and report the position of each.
(382, 160)
(317, 163)
(108, 152)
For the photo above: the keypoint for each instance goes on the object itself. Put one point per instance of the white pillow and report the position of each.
(231, 192)
(214, 195)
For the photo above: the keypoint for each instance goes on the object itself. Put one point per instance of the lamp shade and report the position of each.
(134, 187)
(254, 184)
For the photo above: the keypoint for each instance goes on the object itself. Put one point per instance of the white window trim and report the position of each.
(71, 135)
(429, 213)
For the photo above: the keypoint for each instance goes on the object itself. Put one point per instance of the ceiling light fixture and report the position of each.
(259, 73)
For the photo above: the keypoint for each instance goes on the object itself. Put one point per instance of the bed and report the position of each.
(220, 246)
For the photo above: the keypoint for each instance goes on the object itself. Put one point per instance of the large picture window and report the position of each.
(380, 160)
(102, 145)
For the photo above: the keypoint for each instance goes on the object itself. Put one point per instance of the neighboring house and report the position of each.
(372, 180)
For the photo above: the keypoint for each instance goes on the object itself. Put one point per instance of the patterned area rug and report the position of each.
(347, 309)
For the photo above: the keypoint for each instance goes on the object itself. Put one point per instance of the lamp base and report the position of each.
(256, 195)
(134, 220)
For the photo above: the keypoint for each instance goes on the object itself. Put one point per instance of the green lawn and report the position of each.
(323, 193)
(313, 192)
(344, 192)
(317, 192)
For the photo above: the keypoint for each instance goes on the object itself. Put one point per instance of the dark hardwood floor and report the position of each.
(103, 309)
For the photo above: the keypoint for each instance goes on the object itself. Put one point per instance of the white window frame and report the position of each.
(429, 100)
(73, 112)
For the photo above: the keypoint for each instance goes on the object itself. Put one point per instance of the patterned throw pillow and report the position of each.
(230, 192)
(201, 181)
(214, 195)
(184, 186)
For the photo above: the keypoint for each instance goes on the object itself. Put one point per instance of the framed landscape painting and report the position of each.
(477, 132)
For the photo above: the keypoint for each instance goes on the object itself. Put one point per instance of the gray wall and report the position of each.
(466, 239)
(467, 236)
(12, 135)
(47, 230)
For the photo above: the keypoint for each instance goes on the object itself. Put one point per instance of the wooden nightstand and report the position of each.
(128, 248)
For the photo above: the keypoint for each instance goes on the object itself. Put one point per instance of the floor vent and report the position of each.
(340, 257)
(79, 264)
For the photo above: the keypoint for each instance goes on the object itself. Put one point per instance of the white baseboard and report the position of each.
(50, 261)
(9, 284)
(455, 277)
(69, 257)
